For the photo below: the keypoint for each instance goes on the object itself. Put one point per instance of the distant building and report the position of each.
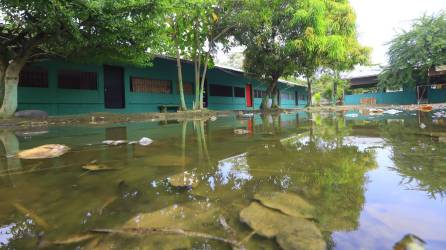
(434, 92)
(60, 87)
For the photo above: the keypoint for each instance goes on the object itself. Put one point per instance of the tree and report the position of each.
(412, 53)
(269, 39)
(294, 36)
(330, 41)
(196, 26)
(93, 30)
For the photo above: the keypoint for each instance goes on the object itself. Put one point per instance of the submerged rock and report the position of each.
(263, 220)
(290, 232)
(188, 216)
(287, 203)
(31, 114)
(44, 151)
(184, 180)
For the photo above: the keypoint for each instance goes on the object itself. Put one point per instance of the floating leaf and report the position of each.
(287, 203)
(44, 151)
(92, 166)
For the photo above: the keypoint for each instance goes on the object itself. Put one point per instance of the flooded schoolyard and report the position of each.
(292, 181)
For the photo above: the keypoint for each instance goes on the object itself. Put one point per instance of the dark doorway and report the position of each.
(114, 87)
(296, 98)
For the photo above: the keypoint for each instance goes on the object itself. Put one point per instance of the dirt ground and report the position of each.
(110, 118)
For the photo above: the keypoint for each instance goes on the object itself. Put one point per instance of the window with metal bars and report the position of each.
(147, 85)
(74, 79)
(33, 77)
(220, 90)
(239, 92)
(188, 88)
(259, 93)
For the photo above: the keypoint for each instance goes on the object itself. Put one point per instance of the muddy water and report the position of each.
(370, 179)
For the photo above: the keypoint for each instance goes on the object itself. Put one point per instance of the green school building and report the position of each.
(62, 88)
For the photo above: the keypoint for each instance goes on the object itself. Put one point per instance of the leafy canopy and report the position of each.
(94, 30)
(412, 53)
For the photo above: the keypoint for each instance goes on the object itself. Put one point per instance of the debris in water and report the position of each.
(287, 203)
(145, 141)
(44, 151)
(184, 180)
(213, 118)
(375, 111)
(114, 143)
(37, 219)
(240, 131)
(410, 242)
(107, 202)
(392, 111)
(93, 166)
(425, 108)
(351, 115)
(71, 240)
(423, 126)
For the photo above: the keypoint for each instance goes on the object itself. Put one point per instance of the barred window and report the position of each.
(73, 79)
(239, 92)
(146, 85)
(188, 88)
(259, 93)
(33, 77)
(220, 90)
(287, 96)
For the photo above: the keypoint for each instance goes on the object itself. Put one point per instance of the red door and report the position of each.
(248, 95)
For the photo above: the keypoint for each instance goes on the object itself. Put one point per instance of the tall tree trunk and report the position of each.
(335, 87)
(9, 103)
(197, 67)
(2, 79)
(264, 105)
(11, 146)
(275, 98)
(203, 79)
(180, 81)
(309, 94)
(335, 92)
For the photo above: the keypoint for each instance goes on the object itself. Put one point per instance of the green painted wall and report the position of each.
(401, 97)
(58, 101)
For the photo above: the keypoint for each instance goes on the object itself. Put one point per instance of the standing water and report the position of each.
(294, 181)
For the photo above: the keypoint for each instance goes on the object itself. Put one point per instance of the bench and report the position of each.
(164, 108)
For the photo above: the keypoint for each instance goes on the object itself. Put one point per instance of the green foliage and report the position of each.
(93, 30)
(325, 85)
(317, 98)
(412, 53)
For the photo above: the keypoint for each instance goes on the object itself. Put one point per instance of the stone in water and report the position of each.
(184, 180)
(145, 141)
(44, 151)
